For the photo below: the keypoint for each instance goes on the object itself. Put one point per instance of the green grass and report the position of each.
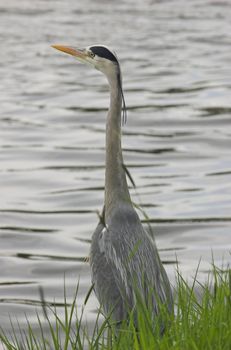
(198, 323)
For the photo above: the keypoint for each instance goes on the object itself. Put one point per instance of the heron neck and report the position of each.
(116, 189)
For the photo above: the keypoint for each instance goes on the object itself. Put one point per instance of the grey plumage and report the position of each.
(123, 257)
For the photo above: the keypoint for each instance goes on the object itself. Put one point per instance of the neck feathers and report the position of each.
(116, 189)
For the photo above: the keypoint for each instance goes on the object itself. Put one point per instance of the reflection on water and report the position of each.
(175, 59)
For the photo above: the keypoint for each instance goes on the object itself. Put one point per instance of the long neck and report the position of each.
(116, 189)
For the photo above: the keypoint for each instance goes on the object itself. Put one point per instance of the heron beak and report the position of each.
(78, 53)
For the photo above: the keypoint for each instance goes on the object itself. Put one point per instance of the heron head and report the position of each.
(103, 59)
(98, 56)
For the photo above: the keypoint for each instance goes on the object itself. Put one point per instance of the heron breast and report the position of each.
(101, 241)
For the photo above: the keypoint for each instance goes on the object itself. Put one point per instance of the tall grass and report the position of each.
(197, 323)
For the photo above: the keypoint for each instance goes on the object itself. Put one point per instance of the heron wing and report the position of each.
(124, 261)
(136, 265)
(106, 280)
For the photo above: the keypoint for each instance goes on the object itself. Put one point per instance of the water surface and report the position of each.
(175, 57)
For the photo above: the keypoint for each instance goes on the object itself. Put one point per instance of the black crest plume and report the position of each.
(103, 52)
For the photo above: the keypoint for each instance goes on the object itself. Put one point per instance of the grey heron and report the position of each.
(123, 256)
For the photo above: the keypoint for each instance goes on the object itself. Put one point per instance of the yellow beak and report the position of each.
(79, 54)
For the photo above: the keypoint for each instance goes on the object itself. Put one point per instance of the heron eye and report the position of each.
(91, 54)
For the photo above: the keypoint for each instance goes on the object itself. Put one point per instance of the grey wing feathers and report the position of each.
(123, 259)
(138, 267)
(104, 276)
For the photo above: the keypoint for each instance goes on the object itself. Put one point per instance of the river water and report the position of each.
(175, 58)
